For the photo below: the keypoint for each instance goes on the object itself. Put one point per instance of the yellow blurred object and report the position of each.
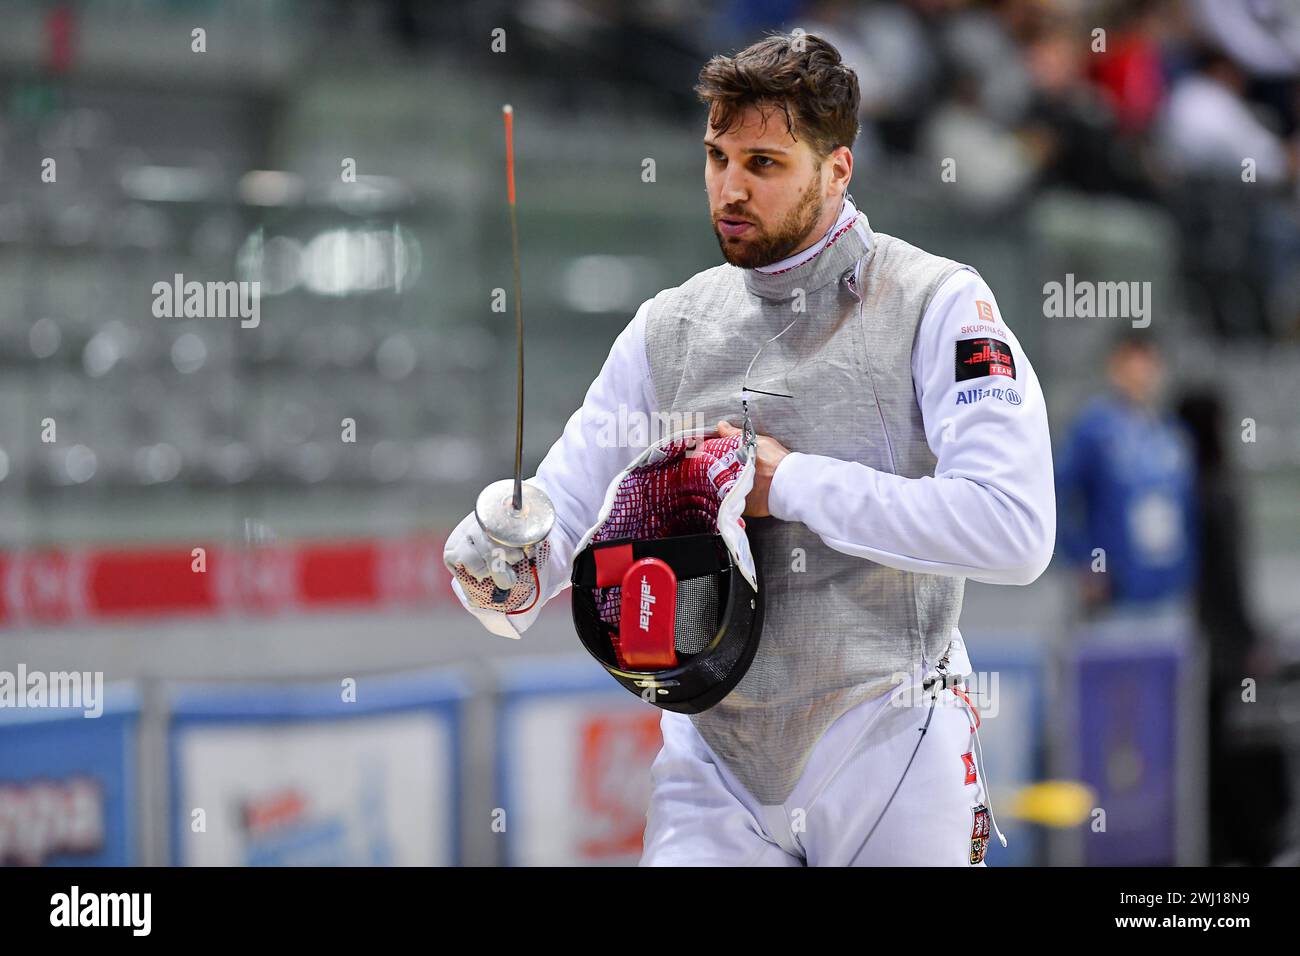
(1053, 803)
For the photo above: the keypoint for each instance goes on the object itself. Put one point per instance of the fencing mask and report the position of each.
(665, 587)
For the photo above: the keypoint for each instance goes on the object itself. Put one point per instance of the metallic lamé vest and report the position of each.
(838, 628)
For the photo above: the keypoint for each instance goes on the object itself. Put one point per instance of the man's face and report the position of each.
(767, 191)
(1137, 373)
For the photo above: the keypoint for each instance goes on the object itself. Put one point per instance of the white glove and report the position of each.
(479, 555)
(491, 575)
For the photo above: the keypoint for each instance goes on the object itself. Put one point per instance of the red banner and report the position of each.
(68, 585)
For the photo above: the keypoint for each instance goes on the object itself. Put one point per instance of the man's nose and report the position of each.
(735, 189)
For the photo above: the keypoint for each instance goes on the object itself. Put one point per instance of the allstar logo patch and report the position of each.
(978, 358)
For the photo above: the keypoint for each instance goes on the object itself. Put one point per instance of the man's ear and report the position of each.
(845, 156)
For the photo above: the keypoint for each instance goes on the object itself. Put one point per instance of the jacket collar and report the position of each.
(840, 256)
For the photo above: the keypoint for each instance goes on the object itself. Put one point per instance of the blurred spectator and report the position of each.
(1233, 194)
(1129, 72)
(1249, 800)
(1209, 127)
(1262, 35)
(984, 45)
(1073, 130)
(1125, 493)
(993, 169)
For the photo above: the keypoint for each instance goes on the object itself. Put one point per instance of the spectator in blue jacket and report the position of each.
(1126, 489)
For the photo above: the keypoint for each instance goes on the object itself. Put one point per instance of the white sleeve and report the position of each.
(600, 439)
(989, 511)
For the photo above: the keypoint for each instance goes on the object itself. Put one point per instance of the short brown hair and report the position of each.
(799, 70)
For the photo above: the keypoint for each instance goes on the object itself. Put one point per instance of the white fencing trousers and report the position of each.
(700, 814)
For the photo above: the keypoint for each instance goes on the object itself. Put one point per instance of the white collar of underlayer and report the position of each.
(799, 258)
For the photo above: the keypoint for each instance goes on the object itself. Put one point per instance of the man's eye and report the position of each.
(716, 154)
(764, 161)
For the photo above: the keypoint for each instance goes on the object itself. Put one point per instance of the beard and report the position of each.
(762, 248)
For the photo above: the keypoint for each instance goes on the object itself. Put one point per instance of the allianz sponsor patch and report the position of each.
(972, 395)
(979, 835)
(977, 358)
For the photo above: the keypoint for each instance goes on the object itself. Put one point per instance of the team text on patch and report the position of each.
(977, 358)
